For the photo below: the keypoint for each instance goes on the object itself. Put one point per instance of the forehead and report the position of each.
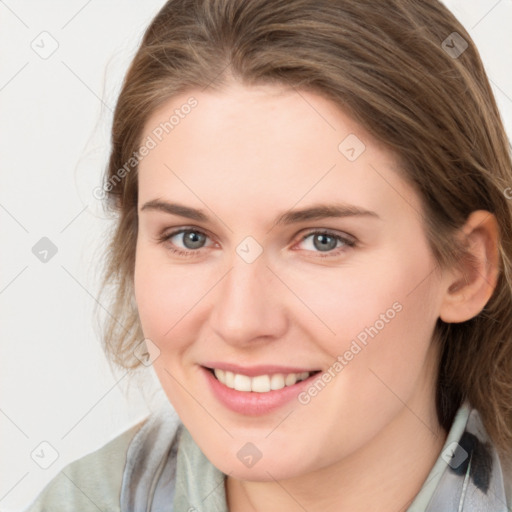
(263, 146)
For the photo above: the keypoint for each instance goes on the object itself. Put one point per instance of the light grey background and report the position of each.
(55, 111)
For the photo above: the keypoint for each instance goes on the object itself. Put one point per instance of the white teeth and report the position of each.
(242, 382)
(229, 380)
(260, 383)
(291, 379)
(277, 381)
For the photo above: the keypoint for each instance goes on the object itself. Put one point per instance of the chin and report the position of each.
(273, 465)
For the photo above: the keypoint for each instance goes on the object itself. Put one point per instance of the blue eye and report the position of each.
(192, 239)
(327, 242)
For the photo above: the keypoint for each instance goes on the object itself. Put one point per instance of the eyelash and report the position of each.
(349, 242)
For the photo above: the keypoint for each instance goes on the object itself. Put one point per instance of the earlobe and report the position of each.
(470, 286)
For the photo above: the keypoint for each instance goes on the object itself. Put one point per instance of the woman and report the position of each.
(313, 240)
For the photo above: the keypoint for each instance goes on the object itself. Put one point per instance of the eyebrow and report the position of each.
(315, 212)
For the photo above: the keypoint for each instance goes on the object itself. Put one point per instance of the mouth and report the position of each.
(265, 390)
(263, 383)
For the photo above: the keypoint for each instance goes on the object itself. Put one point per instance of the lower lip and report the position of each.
(253, 403)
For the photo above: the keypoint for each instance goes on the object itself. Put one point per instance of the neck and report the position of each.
(385, 475)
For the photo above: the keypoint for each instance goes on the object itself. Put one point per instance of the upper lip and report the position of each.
(253, 371)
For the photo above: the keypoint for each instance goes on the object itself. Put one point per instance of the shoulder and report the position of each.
(90, 483)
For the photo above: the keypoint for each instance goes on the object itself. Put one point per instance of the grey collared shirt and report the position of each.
(156, 466)
(165, 465)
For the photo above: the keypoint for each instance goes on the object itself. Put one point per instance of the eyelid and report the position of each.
(166, 235)
(348, 242)
(326, 231)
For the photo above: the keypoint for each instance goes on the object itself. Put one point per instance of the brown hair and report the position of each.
(388, 64)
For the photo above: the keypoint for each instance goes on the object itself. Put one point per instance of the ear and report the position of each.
(471, 284)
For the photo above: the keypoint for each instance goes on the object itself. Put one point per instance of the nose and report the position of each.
(249, 304)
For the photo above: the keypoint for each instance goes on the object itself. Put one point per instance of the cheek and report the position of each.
(169, 297)
(165, 299)
(345, 303)
(159, 298)
(390, 327)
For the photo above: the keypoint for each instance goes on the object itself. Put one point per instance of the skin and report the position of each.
(245, 155)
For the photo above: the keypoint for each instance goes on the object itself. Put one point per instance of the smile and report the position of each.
(265, 390)
(259, 383)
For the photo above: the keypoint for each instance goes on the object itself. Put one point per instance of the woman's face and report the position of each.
(296, 248)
